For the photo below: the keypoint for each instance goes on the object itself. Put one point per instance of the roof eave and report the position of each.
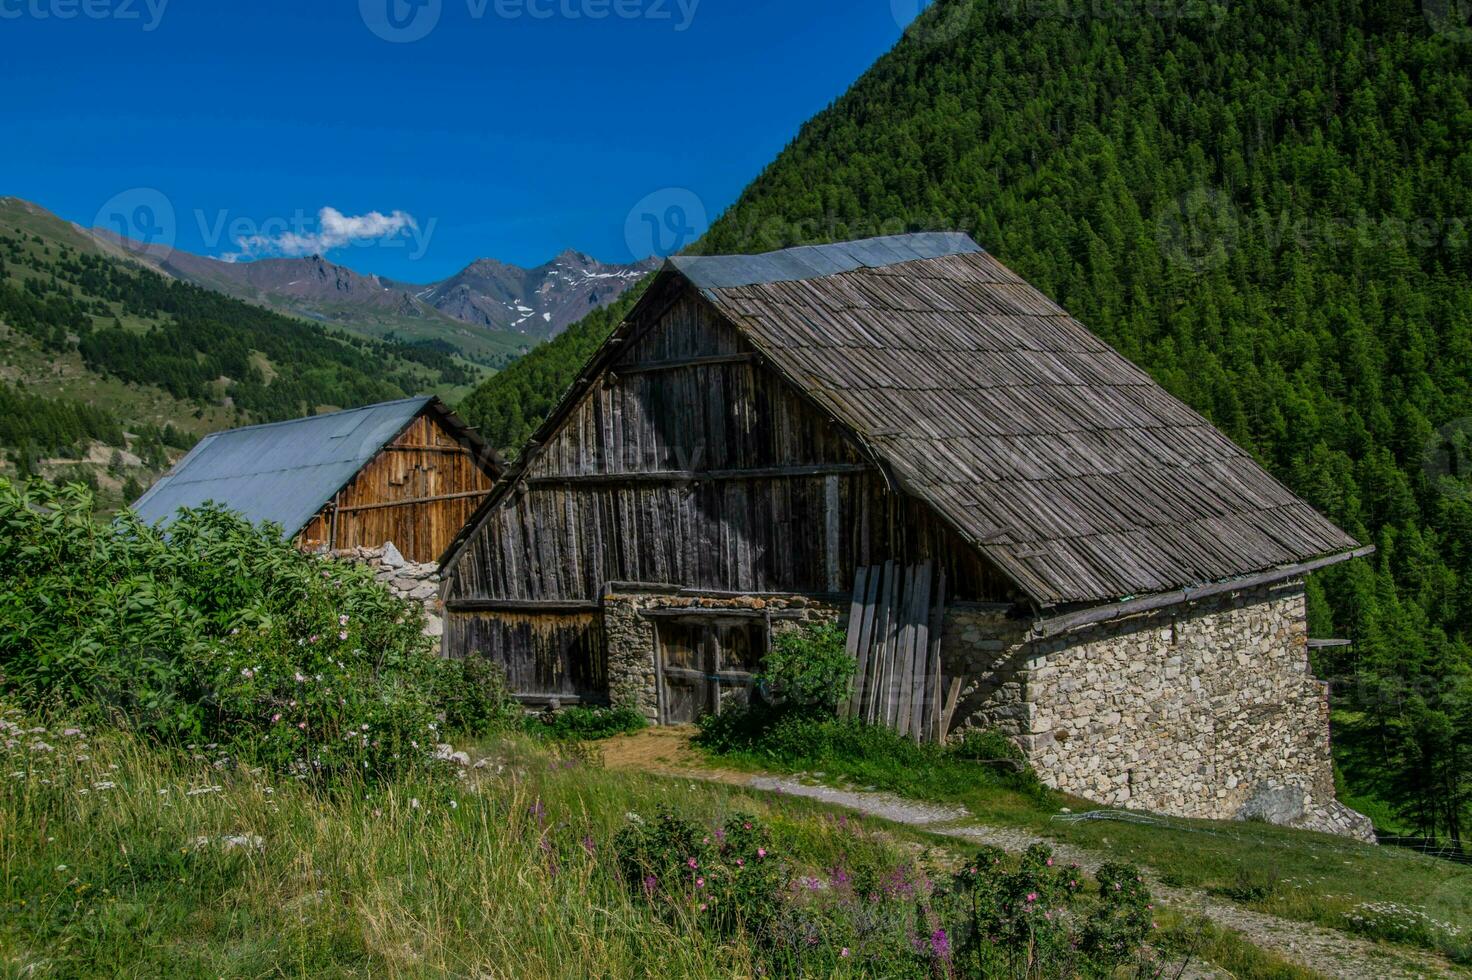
(1096, 615)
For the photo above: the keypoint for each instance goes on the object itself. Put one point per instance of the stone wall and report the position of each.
(629, 635)
(409, 581)
(1207, 710)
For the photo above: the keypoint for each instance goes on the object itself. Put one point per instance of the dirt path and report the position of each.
(1325, 951)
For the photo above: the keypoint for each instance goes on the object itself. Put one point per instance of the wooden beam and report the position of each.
(414, 500)
(699, 476)
(448, 450)
(706, 612)
(534, 606)
(949, 714)
(736, 677)
(1103, 614)
(674, 364)
(1320, 644)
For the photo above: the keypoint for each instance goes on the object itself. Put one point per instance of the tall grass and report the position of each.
(121, 859)
(131, 862)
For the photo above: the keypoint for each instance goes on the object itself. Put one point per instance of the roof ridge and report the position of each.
(425, 399)
(802, 262)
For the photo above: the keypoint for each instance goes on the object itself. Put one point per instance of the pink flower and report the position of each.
(301, 724)
(1032, 897)
(275, 718)
(1050, 862)
(699, 882)
(692, 863)
(740, 863)
(843, 953)
(342, 620)
(702, 906)
(344, 635)
(761, 852)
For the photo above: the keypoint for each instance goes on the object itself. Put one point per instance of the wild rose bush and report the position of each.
(1039, 919)
(214, 631)
(727, 879)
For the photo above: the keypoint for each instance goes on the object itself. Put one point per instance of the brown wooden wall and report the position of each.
(418, 493)
(690, 463)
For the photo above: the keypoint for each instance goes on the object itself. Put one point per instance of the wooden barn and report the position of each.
(408, 472)
(1017, 526)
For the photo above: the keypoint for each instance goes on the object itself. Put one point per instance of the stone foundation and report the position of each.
(1207, 710)
(630, 642)
(407, 580)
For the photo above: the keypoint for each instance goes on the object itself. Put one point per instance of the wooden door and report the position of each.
(707, 664)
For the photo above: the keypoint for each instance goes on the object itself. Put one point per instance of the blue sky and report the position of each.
(510, 129)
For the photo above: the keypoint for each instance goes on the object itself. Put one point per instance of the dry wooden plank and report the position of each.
(874, 699)
(904, 655)
(921, 654)
(953, 697)
(855, 628)
(866, 638)
(933, 688)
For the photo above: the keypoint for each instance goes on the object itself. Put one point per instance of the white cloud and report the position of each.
(334, 230)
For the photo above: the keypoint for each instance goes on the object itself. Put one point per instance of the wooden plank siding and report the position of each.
(418, 492)
(616, 494)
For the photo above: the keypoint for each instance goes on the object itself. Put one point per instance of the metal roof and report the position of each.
(817, 261)
(283, 472)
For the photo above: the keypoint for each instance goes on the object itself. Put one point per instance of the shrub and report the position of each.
(585, 723)
(987, 745)
(729, 880)
(214, 631)
(1032, 922)
(808, 669)
(475, 698)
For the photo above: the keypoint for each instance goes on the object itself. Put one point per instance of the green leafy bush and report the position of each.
(580, 723)
(1033, 922)
(729, 880)
(808, 669)
(214, 631)
(475, 698)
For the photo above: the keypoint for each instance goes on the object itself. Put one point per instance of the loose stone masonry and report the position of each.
(409, 581)
(629, 634)
(1207, 710)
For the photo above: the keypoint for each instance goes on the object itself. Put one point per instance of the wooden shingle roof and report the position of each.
(1058, 459)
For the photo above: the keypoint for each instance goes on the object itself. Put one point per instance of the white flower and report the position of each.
(414, 803)
(104, 785)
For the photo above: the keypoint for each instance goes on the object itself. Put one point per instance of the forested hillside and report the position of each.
(1266, 204)
(93, 347)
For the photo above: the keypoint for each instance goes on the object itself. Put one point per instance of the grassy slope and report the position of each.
(121, 864)
(22, 359)
(1304, 876)
(45, 373)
